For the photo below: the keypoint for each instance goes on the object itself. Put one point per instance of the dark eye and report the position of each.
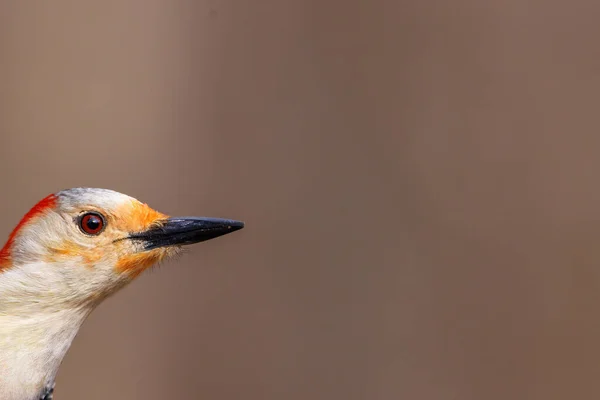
(91, 223)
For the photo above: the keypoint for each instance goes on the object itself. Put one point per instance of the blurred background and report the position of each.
(418, 180)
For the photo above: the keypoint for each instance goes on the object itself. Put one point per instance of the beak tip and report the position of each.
(236, 226)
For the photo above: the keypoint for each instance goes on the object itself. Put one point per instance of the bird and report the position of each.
(70, 252)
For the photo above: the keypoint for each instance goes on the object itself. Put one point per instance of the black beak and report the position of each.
(185, 230)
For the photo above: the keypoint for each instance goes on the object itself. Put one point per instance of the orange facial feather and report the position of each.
(137, 217)
(70, 250)
(135, 264)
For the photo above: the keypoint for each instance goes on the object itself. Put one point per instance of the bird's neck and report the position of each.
(32, 348)
(39, 318)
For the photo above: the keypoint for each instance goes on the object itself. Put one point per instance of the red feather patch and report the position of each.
(40, 208)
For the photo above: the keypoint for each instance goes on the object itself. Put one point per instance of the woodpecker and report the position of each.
(70, 252)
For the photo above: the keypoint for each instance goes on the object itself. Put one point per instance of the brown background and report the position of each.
(419, 182)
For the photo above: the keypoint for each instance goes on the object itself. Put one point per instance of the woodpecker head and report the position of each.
(80, 245)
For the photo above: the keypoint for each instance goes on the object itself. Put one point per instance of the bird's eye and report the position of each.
(91, 223)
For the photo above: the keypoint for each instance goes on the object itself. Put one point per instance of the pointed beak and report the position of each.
(185, 230)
